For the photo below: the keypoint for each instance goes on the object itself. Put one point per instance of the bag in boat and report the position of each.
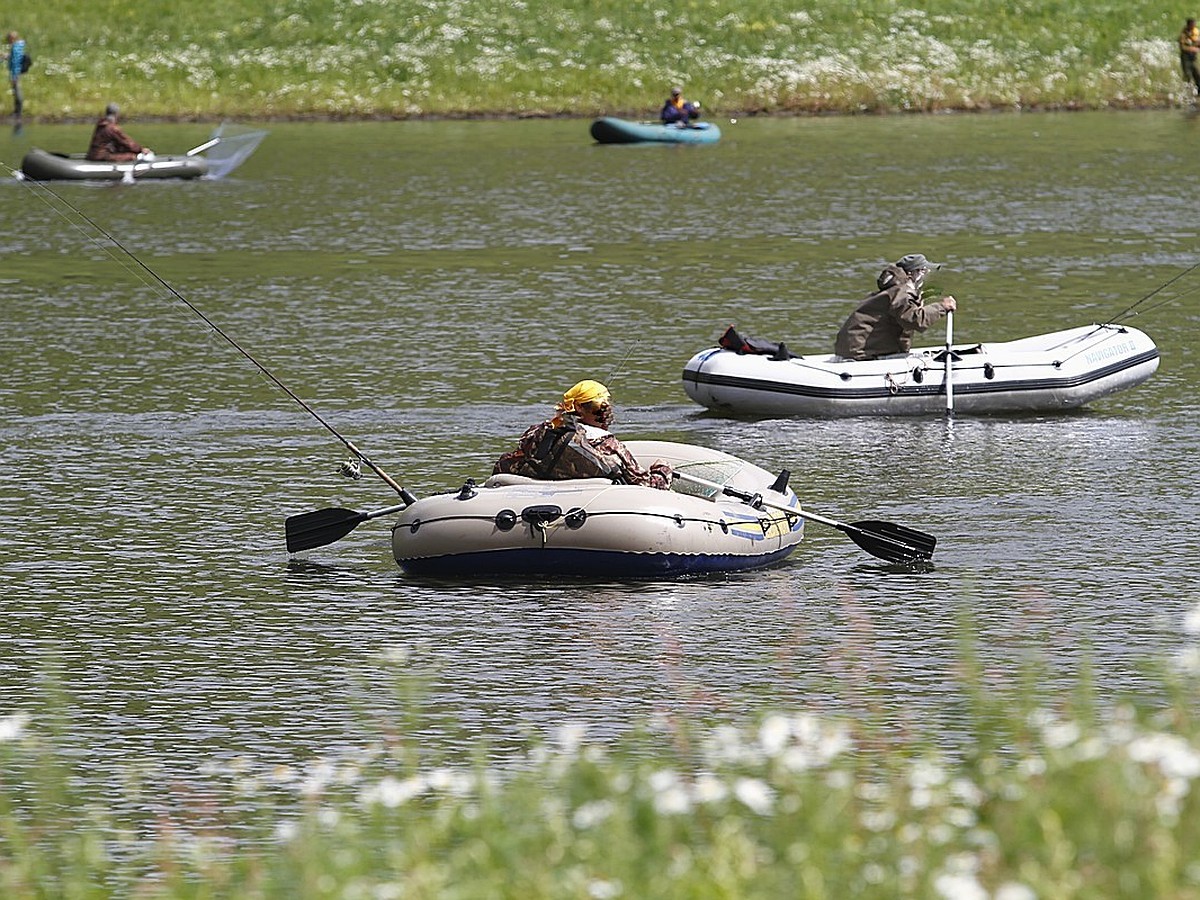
(554, 454)
(731, 340)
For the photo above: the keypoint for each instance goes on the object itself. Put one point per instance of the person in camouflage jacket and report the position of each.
(576, 443)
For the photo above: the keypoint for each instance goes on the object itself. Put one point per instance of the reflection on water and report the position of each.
(435, 304)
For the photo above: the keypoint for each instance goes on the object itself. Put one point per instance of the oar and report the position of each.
(886, 540)
(203, 147)
(949, 363)
(324, 526)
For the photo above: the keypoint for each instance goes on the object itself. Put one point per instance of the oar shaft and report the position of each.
(203, 147)
(746, 496)
(950, 363)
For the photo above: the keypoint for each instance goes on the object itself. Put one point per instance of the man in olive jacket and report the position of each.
(884, 323)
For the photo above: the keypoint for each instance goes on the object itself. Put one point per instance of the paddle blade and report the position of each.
(320, 527)
(895, 543)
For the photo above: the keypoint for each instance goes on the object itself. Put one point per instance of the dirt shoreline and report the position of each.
(1115, 106)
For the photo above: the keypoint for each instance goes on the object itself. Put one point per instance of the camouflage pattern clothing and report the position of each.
(555, 452)
(884, 322)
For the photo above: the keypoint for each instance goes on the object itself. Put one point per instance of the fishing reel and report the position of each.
(351, 468)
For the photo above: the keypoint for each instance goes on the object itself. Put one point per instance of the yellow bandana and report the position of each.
(584, 392)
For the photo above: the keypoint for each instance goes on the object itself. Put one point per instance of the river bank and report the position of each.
(339, 60)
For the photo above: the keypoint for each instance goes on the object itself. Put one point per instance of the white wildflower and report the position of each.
(1012, 890)
(1191, 622)
(455, 782)
(592, 814)
(670, 795)
(1187, 661)
(773, 734)
(12, 727)
(755, 794)
(1059, 735)
(392, 792)
(959, 887)
(395, 655)
(967, 791)
(570, 736)
(880, 821)
(709, 789)
(1173, 755)
(317, 778)
(599, 889)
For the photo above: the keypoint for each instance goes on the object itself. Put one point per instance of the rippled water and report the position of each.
(431, 288)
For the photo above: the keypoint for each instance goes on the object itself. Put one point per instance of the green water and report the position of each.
(431, 288)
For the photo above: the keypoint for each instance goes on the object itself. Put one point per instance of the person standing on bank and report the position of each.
(1189, 46)
(110, 143)
(885, 322)
(16, 68)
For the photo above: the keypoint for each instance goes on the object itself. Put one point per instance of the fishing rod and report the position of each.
(621, 365)
(359, 455)
(1128, 312)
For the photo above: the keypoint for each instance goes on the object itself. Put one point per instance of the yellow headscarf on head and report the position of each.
(587, 391)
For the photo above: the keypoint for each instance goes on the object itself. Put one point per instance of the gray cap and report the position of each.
(112, 109)
(915, 261)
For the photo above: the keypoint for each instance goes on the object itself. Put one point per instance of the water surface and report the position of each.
(431, 288)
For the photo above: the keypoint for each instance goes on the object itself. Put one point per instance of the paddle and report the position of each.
(886, 540)
(203, 147)
(324, 526)
(949, 363)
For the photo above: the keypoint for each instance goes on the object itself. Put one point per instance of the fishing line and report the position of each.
(359, 455)
(612, 376)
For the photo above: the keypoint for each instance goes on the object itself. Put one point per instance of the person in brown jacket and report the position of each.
(111, 144)
(884, 323)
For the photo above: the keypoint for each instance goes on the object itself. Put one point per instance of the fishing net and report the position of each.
(234, 146)
(718, 471)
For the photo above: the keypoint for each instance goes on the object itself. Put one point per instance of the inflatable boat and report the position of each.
(42, 165)
(622, 131)
(511, 525)
(1044, 373)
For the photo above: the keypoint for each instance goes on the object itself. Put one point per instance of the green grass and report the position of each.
(404, 58)
(1029, 797)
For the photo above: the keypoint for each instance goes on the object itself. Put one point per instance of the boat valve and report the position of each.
(575, 517)
(468, 490)
(506, 519)
(989, 371)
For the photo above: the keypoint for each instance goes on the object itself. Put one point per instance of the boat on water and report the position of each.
(1044, 373)
(43, 165)
(609, 130)
(512, 525)
(226, 148)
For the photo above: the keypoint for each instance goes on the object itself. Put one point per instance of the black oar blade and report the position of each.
(320, 527)
(895, 543)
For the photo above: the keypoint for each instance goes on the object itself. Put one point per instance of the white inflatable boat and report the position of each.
(511, 525)
(1044, 373)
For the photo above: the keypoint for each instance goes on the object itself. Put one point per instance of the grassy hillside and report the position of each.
(404, 58)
